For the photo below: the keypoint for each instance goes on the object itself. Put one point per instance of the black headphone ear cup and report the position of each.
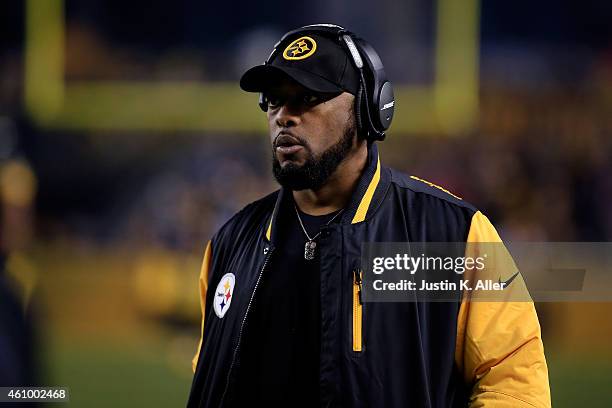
(373, 112)
(367, 110)
(385, 106)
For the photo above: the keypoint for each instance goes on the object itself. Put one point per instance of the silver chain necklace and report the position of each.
(311, 245)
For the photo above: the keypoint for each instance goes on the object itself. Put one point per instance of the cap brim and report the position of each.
(262, 77)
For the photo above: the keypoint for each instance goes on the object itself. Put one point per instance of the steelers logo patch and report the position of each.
(224, 294)
(299, 49)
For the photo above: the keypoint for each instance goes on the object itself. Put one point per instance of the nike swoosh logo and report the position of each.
(509, 281)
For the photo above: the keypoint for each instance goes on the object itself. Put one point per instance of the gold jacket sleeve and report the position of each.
(499, 346)
(203, 285)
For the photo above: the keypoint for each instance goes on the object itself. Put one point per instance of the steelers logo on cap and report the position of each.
(299, 49)
(224, 294)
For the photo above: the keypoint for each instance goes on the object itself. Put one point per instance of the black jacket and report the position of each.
(417, 354)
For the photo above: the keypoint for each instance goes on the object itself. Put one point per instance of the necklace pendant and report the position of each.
(309, 250)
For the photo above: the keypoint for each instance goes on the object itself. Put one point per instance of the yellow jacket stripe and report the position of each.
(269, 230)
(203, 283)
(362, 210)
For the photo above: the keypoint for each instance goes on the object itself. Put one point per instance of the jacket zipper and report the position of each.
(246, 314)
(357, 312)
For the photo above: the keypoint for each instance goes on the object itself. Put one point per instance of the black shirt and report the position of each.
(279, 359)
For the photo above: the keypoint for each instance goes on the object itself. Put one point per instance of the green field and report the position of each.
(106, 375)
(580, 382)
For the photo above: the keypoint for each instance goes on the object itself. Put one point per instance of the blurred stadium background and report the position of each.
(125, 142)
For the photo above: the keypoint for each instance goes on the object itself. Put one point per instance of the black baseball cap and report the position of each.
(317, 62)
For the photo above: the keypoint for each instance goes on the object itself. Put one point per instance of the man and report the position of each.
(284, 323)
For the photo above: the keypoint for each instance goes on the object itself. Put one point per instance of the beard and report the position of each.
(317, 169)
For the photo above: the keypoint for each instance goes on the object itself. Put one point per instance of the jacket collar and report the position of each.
(366, 198)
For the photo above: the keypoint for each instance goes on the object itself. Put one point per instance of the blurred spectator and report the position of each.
(17, 354)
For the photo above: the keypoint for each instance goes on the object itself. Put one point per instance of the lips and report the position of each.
(287, 144)
(289, 149)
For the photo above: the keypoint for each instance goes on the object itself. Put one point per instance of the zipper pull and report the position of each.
(357, 277)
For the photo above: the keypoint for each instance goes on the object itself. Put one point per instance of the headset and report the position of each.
(374, 102)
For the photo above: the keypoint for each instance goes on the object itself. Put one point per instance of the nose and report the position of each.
(287, 116)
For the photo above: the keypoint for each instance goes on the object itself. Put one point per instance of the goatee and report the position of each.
(315, 172)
